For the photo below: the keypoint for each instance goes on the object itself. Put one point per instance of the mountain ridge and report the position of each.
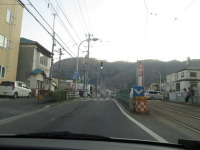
(116, 74)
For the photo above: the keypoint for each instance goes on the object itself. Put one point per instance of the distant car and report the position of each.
(14, 89)
(154, 95)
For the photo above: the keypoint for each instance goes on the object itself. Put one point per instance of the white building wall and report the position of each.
(33, 82)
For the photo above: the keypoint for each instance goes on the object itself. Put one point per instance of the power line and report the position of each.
(46, 29)
(48, 24)
(175, 19)
(62, 22)
(65, 15)
(84, 31)
(79, 5)
(145, 4)
(87, 15)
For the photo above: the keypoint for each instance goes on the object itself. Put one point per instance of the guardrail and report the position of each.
(72, 95)
(123, 96)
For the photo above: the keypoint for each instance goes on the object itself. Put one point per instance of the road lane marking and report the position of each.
(150, 132)
(20, 116)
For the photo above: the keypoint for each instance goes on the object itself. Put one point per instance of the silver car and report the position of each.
(154, 95)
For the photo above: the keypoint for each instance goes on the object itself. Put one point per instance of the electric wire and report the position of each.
(79, 5)
(46, 29)
(62, 22)
(145, 4)
(90, 26)
(49, 25)
(66, 17)
(84, 31)
(72, 27)
(175, 19)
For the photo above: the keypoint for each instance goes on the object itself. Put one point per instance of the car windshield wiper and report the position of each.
(61, 135)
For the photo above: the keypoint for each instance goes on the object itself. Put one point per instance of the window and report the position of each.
(1, 40)
(177, 86)
(193, 74)
(193, 84)
(8, 16)
(2, 71)
(43, 60)
(182, 74)
(4, 42)
(19, 84)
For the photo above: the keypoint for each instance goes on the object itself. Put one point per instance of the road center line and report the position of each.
(150, 132)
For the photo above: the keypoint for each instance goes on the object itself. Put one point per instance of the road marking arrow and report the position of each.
(139, 92)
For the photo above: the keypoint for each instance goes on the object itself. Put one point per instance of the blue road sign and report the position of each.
(75, 75)
(138, 91)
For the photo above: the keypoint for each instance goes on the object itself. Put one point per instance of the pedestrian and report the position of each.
(185, 93)
(188, 95)
(192, 94)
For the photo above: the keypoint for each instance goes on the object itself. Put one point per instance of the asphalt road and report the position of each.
(99, 117)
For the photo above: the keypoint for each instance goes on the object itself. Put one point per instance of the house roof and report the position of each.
(38, 71)
(187, 80)
(196, 68)
(24, 41)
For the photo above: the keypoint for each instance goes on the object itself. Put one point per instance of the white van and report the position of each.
(154, 95)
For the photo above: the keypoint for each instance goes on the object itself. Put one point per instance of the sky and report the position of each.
(128, 30)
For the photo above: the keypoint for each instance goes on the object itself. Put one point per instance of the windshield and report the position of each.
(114, 68)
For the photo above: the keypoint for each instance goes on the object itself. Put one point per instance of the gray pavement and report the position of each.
(101, 117)
(10, 107)
(92, 116)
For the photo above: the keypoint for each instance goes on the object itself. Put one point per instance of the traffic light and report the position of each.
(101, 67)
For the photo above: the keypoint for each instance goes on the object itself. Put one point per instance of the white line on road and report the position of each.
(10, 119)
(150, 132)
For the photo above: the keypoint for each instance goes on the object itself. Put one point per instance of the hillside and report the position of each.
(119, 73)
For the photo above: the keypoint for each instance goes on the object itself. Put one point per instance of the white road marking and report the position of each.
(150, 132)
(10, 119)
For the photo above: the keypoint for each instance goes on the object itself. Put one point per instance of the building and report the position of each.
(171, 79)
(188, 77)
(11, 12)
(34, 65)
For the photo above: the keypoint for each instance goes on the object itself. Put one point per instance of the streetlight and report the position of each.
(160, 77)
(77, 59)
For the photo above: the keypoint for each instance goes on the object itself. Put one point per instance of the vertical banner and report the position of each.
(140, 74)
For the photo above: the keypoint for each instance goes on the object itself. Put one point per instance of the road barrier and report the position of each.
(137, 104)
(141, 105)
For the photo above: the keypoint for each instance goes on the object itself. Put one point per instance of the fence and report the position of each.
(59, 95)
(72, 95)
(178, 97)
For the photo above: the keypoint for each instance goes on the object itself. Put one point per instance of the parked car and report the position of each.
(154, 95)
(14, 89)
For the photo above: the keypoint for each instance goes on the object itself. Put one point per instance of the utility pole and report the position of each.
(97, 80)
(86, 71)
(59, 68)
(53, 44)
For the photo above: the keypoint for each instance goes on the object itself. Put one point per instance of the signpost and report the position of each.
(75, 75)
(138, 102)
(138, 91)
